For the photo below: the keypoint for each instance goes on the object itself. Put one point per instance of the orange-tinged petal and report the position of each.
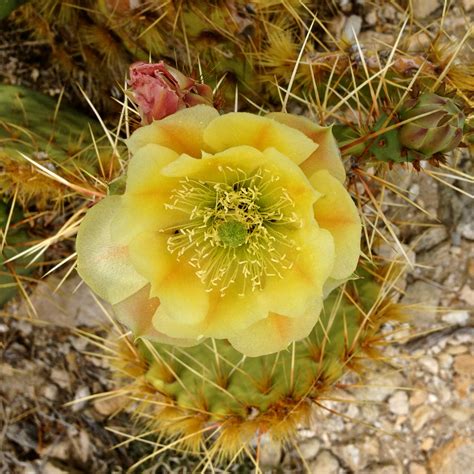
(336, 212)
(183, 297)
(239, 128)
(181, 131)
(147, 192)
(104, 265)
(327, 156)
(294, 181)
(136, 312)
(232, 313)
(276, 332)
(150, 257)
(292, 295)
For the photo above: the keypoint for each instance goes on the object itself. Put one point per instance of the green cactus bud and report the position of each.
(439, 132)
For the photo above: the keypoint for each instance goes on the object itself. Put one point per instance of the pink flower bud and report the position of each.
(160, 90)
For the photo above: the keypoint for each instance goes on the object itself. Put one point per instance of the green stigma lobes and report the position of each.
(234, 231)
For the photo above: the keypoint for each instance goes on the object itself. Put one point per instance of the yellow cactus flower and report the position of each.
(231, 226)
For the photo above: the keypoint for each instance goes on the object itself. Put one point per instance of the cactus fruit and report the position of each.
(57, 138)
(210, 393)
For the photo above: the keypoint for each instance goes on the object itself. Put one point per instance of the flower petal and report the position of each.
(327, 156)
(181, 131)
(147, 192)
(239, 128)
(232, 313)
(336, 212)
(104, 265)
(136, 312)
(276, 332)
(295, 292)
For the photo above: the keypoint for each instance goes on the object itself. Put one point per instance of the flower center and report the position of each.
(235, 231)
(232, 233)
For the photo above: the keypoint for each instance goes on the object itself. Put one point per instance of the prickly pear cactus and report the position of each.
(60, 140)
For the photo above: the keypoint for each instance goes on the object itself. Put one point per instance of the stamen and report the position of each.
(230, 233)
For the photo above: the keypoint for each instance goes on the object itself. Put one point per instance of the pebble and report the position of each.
(454, 457)
(420, 416)
(398, 403)
(424, 8)
(50, 391)
(427, 444)
(456, 317)
(460, 415)
(466, 229)
(81, 393)
(107, 406)
(464, 364)
(309, 449)
(325, 463)
(60, 377)
(467, 295)
(430, 238)
(415, 468)
(418, 397)
(430, 364)
(456, 350)
(270, 452)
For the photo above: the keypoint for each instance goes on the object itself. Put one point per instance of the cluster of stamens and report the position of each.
(233, 231)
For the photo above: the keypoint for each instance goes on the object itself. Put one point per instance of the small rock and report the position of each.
(464, 364)
(468, 5)
(466, 229)
(325, 463)
(309, 449)
(59, 450)
(107, 406)
(69, 306)
(50, 391)
(422, 293)
(420, 416)
(61, 378)
(270, 452)
(377, 391)
(371, 18)
(352, 28)
(456, 317)
(427, 444)
(351, 455)
(454, 457)
(445, 360)
(424, 8)
(398, 403)
(418, 397)
(456, 350)
(50, 468)
(81, 393)
(430, 364)
(430, 238)
(467, 295)
(460, 415)
(415, 468)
